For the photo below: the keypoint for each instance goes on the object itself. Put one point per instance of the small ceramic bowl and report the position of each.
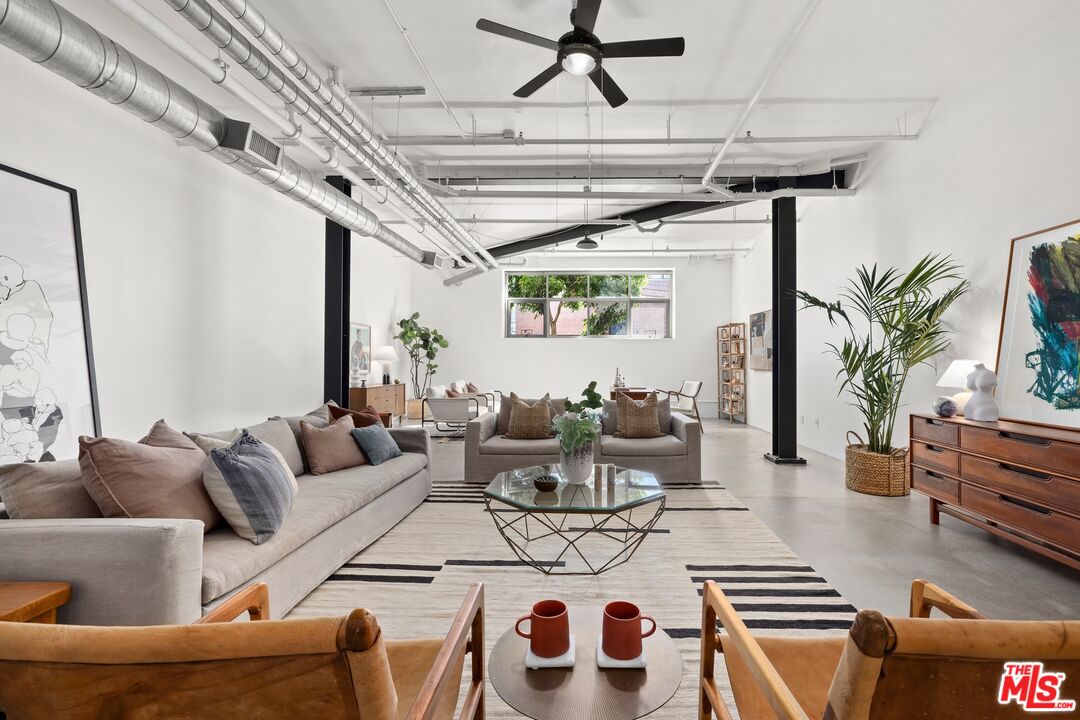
(546, 483)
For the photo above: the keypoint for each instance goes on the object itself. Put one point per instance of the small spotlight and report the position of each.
(587, 243)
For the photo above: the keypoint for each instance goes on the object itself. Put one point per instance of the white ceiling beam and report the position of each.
(483, 140)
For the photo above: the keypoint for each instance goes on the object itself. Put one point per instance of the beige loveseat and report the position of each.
(674, 457)
(162, 571)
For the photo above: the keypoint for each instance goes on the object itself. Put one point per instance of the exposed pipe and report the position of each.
(222, 33)
(777, 61)
(615, 222)
(443, 140)
(337, 101)
(217, 74)
(650, 196)
(51, 36)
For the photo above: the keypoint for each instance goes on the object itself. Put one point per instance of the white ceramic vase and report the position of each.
(576, 466)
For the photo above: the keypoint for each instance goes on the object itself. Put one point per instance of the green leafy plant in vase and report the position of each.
(422, 345)
(578, 429)
(893, 322)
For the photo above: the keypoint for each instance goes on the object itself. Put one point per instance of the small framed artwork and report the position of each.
(761, 341)
(48, 396)
(359, 353)
(1038, 364)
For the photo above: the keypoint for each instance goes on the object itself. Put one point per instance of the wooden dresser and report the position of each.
(384, 398)
(1017, 480)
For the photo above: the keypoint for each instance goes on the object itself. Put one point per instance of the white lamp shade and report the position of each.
(956, 374)
(385, 353)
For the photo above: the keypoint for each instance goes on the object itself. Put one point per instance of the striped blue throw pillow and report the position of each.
(251, 486)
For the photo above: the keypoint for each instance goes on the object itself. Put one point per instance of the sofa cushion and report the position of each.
(500, 445)
(637, 418)
(319, 417)
(377, 443)
(158, 477)
(665, 445)
(558, 407)
(251, 486)
(229, 561)
(361, 418)
(529, 421)
(611, 417)
(211, 440)
(332, 448)
(46, 490)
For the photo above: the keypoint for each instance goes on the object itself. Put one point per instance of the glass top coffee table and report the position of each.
(575, 529)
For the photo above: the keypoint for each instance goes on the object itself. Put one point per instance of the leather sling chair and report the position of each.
(885, 668)
(327, 668)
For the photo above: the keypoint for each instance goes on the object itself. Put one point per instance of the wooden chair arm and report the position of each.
(387, 419)
(466, 636)
(715, 606)
(926, 596)
(254, 600)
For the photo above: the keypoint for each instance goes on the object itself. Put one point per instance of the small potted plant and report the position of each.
(578, 429)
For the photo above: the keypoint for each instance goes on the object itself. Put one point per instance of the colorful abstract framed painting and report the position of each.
(48, 397)
(1039, 347)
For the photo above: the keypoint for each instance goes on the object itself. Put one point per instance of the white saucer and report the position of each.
(605, 662)
(535, 662)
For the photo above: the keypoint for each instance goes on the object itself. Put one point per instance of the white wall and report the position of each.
(205, 287)
(751, 292)
(381, 295)
(998, 159)
(471, 316)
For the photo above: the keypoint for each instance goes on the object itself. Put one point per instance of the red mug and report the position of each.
(622, 630)
(549, 629)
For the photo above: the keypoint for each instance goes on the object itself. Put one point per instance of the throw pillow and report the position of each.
(452, 394)
(319, 417)
(471, 388)
(209, 441)
(558, 406)
(158, 477)
(361, 418)
(251, 485)
(377, 443)
(275, 433)
(332, 448)
(637, 418)
(45, 490)
(611, 415)
(529, 421)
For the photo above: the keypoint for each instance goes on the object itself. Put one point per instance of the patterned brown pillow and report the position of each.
(637, 418)
(529, 422)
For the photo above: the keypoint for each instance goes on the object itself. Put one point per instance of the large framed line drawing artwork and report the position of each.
(1039, 347)
(49, 396)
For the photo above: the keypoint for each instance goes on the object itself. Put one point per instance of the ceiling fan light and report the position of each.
(579, 63)
(587, 243)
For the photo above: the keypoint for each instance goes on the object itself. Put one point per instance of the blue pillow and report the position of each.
(377, 443)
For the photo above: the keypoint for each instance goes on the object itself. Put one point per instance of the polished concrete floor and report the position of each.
(869, 548)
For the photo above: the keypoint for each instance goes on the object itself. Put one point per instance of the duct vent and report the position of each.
(243, 138)
(433, 260)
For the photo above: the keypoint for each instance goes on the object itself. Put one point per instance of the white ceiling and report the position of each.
(861, 67)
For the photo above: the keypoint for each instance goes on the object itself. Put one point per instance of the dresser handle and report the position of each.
(934, 449)
(938, 423)
(1034, 474)
(933, 475)
(1023, 505)
(1023, 438)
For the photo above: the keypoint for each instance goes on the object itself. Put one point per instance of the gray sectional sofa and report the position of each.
(674, 457)
(161, 571)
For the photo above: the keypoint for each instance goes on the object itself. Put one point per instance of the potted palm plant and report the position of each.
(422, 345)
(578, 429)
(893, 323)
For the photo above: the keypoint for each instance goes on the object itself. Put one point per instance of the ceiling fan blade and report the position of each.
(539, 81)
(608, 87)
(585, 14)
(657, 47)
(515, 34)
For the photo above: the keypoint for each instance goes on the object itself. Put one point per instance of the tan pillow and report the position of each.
(45, 490)
(333, 447)
(529, 422)
(637, 418)
(158, 477)
(558, 407)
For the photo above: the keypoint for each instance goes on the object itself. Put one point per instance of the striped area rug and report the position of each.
(414, 577)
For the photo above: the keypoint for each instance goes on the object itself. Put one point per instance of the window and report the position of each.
(633, 304)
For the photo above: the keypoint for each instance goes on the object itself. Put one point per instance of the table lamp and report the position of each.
(956, 377)
(386, 355)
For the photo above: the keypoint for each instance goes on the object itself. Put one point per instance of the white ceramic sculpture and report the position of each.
(981, 406)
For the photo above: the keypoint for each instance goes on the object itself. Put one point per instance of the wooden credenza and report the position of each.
(384, 398)
(1017, 480)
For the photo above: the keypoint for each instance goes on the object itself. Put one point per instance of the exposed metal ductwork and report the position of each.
(334, 97)
(51, 36)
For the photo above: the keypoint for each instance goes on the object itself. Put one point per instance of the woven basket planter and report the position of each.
(872, 473)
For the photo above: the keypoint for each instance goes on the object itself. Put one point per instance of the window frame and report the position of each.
(628, 299)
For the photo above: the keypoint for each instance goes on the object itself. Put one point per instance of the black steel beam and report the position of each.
(336, 315)
(785, 449)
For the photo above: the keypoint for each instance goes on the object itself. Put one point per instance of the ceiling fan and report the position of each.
(580, 52)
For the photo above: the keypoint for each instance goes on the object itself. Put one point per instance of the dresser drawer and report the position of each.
(934, 431)
(935, 457)
(1032, 450)
(1015, 479)
(935, 485)
(1043, 522)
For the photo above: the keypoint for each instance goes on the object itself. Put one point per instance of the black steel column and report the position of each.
(336, 315)
(784, 434)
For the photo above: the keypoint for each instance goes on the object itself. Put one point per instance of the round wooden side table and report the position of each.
(585, 692)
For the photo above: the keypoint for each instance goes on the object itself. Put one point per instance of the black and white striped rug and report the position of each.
(414, 577)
